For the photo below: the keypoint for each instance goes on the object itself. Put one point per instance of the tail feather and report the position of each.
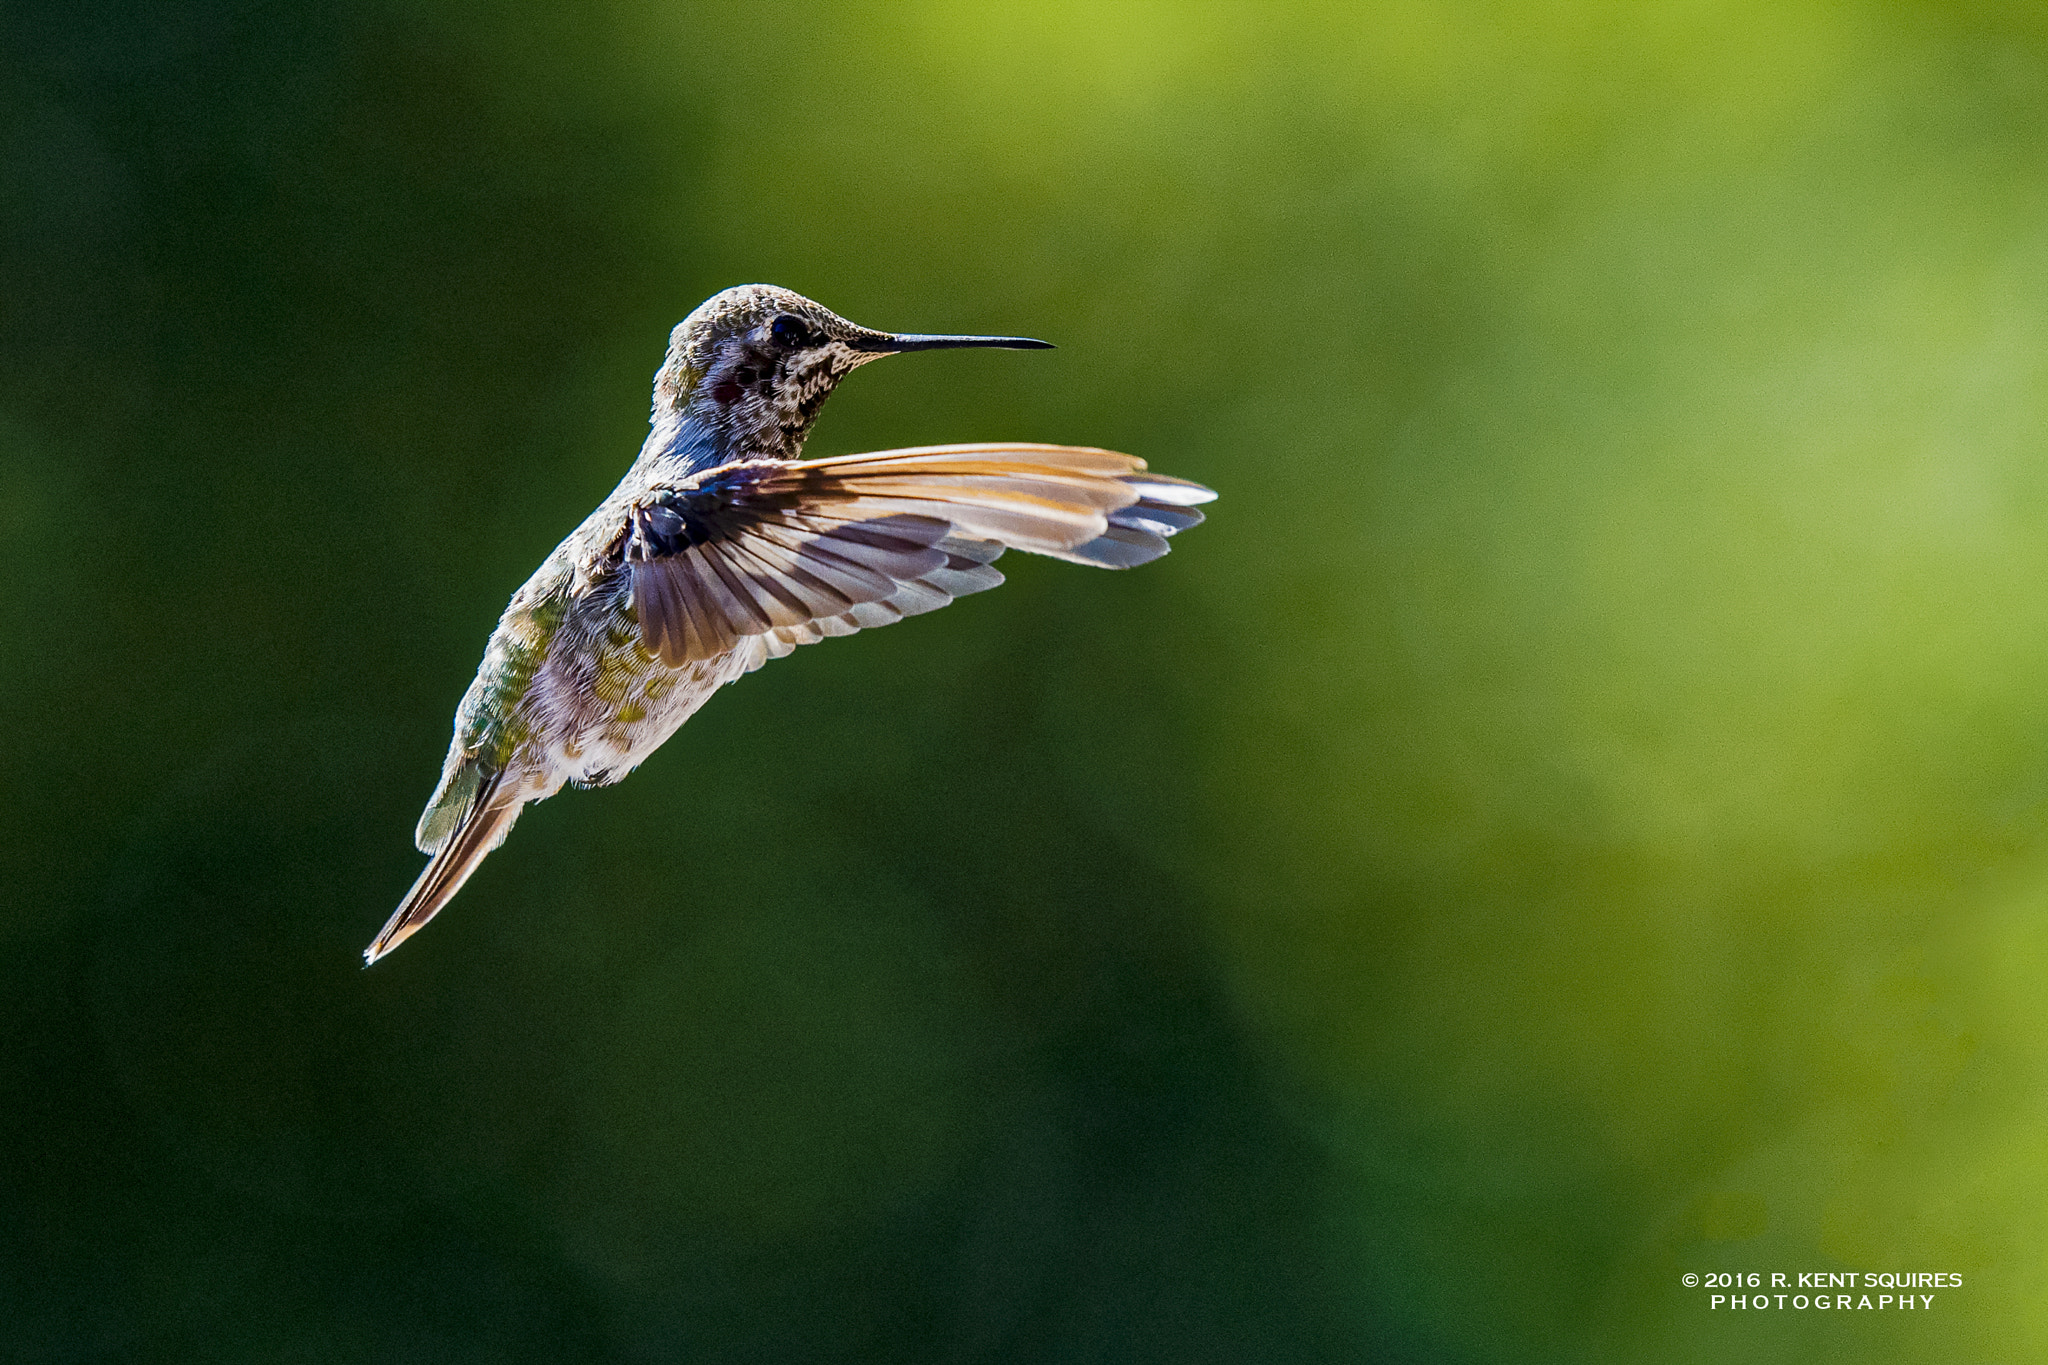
(481, 829)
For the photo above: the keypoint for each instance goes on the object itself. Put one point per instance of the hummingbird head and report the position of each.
(756, 363)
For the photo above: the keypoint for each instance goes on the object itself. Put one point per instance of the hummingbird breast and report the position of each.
(601, 702)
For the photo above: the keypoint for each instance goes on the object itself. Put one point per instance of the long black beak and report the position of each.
(890, 343)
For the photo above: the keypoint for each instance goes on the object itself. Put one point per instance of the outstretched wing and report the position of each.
(795, 551)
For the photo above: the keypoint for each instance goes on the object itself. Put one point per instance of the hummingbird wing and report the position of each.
(798, 550)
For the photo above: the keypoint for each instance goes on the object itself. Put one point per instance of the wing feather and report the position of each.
(772, 602)
(778, 564)
(731, 613)
(708, 632)
(743, 607)
(790, 552)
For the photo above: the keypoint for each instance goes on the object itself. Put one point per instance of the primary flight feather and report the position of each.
(720, 550)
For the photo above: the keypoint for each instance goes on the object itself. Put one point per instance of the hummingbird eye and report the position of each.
(790, 331)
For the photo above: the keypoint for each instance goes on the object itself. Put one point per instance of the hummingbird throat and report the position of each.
(763, 402)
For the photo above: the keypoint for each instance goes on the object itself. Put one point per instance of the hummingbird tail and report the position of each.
(482, 829)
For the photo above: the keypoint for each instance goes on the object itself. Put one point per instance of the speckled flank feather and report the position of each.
(720, 550)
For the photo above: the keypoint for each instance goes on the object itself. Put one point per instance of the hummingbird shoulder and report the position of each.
(720, 550)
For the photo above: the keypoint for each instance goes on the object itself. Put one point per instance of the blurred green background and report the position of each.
(1577, 815)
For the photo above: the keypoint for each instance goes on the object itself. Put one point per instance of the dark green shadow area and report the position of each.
(845, 1037)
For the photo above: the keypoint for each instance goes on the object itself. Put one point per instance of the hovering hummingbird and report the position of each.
(721, 550)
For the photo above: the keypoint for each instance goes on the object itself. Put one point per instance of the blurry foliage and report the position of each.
(1575, 816)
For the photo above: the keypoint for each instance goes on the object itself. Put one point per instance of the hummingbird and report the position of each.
(721, 549)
